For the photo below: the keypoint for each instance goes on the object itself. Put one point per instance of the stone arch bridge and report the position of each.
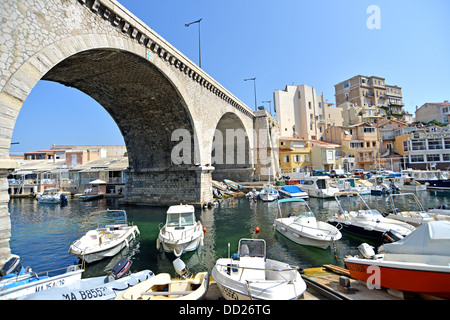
(166, 107)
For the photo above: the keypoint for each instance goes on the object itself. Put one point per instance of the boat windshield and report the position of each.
(180, 219)
(252, 248)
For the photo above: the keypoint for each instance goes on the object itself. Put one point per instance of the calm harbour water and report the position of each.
(43, 233)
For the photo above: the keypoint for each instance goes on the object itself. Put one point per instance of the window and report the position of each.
(405, 145)
(418, 145)
(369, 130)
(283, 143)
(447, 143)
(330, 155)
(434, 144)
(307, 157)
(298, 158)
(433, 157)
(417, 158)
(446, 157)
(309, 104)
(356, 145)
(286, 158)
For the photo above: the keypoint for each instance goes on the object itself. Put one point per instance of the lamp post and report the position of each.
(199, 41)
(254, 85)
(270, 105)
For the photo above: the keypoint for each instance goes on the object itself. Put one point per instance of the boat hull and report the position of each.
(179, 248)
(104, 250)
(299, 237)
(419, 279)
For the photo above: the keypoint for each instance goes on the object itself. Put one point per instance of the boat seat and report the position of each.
(253, 268)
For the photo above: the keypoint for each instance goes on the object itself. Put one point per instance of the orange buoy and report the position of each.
(204, 229)
(232, 204)
(257, 229)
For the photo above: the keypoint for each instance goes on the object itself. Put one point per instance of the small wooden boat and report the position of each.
(164, 287)
(219, 185)
(104, 242)
(232, 185)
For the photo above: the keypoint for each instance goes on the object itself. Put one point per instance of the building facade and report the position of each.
(364, 91)
(294, 155)
(434, 111)
(304, 114)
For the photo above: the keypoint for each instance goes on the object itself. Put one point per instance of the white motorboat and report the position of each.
(52, 195)
(250, 275)
(17, 281)
(407, 208)
(96, 288)
(301, 226)
(363, 221)
(418, 263)
(318, 186)
(181, 233)
(351, 184)
(105, 242)
(293, 192)
(433, 179)
(379, 186)
(442, 212)
(407, 183)
(268, 193)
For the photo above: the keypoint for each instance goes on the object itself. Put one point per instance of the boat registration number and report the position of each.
(88, 294)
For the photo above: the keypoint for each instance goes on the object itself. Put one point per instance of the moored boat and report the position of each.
(407, 208)
(419, 263)
(52, 195)
(181, 233)
(250, 275)
(318, 186)
(300, 225)
(293, 192)
(363, 221)
(232, 185)
(268, 193)
(96, 288)
(17, 281)
(106, 241)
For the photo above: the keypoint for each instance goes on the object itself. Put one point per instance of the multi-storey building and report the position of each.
(294, 155)
(434, 111)
(304, 114)
(428, 149)
(359, 141)
(370, 91)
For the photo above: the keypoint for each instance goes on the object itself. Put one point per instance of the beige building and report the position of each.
(304, 114)
(359, 141)
(324, 155)
(364, 91)
(434, 111)
(352, 114)
(294, 155)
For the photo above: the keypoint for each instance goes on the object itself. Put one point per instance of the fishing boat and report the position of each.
(250, 275)
(301, 226)
(363, 221)
(52, 195)
(17, 281)
(106, 241)
(407, 208)
(232, 185)
(268, 193)
(181, 233)
(318, 186)
(96, 288)
(293, 192)
(419, 263)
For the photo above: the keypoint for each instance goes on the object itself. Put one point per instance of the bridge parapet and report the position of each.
(137, 30)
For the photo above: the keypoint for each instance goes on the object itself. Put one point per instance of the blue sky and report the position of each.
(317, 43)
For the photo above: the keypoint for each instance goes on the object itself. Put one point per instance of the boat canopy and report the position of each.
(291, 189)
(291, 200)
(430, 238)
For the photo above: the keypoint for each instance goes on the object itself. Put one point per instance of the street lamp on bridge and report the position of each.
(199, 41)
(254, 85)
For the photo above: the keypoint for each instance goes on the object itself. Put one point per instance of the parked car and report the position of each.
(338, 173)
(319, 173)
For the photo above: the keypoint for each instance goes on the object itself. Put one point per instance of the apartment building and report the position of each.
(304, 114)
(434, 111)
(359, 141)
(428, 149)
(294, 155)
(367, 91)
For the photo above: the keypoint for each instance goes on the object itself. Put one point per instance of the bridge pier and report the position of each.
(164, 187)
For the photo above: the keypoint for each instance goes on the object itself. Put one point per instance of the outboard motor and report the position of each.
(181, 268)
(366, 251)
(121, 269)
(391, 236)
(13, 265)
